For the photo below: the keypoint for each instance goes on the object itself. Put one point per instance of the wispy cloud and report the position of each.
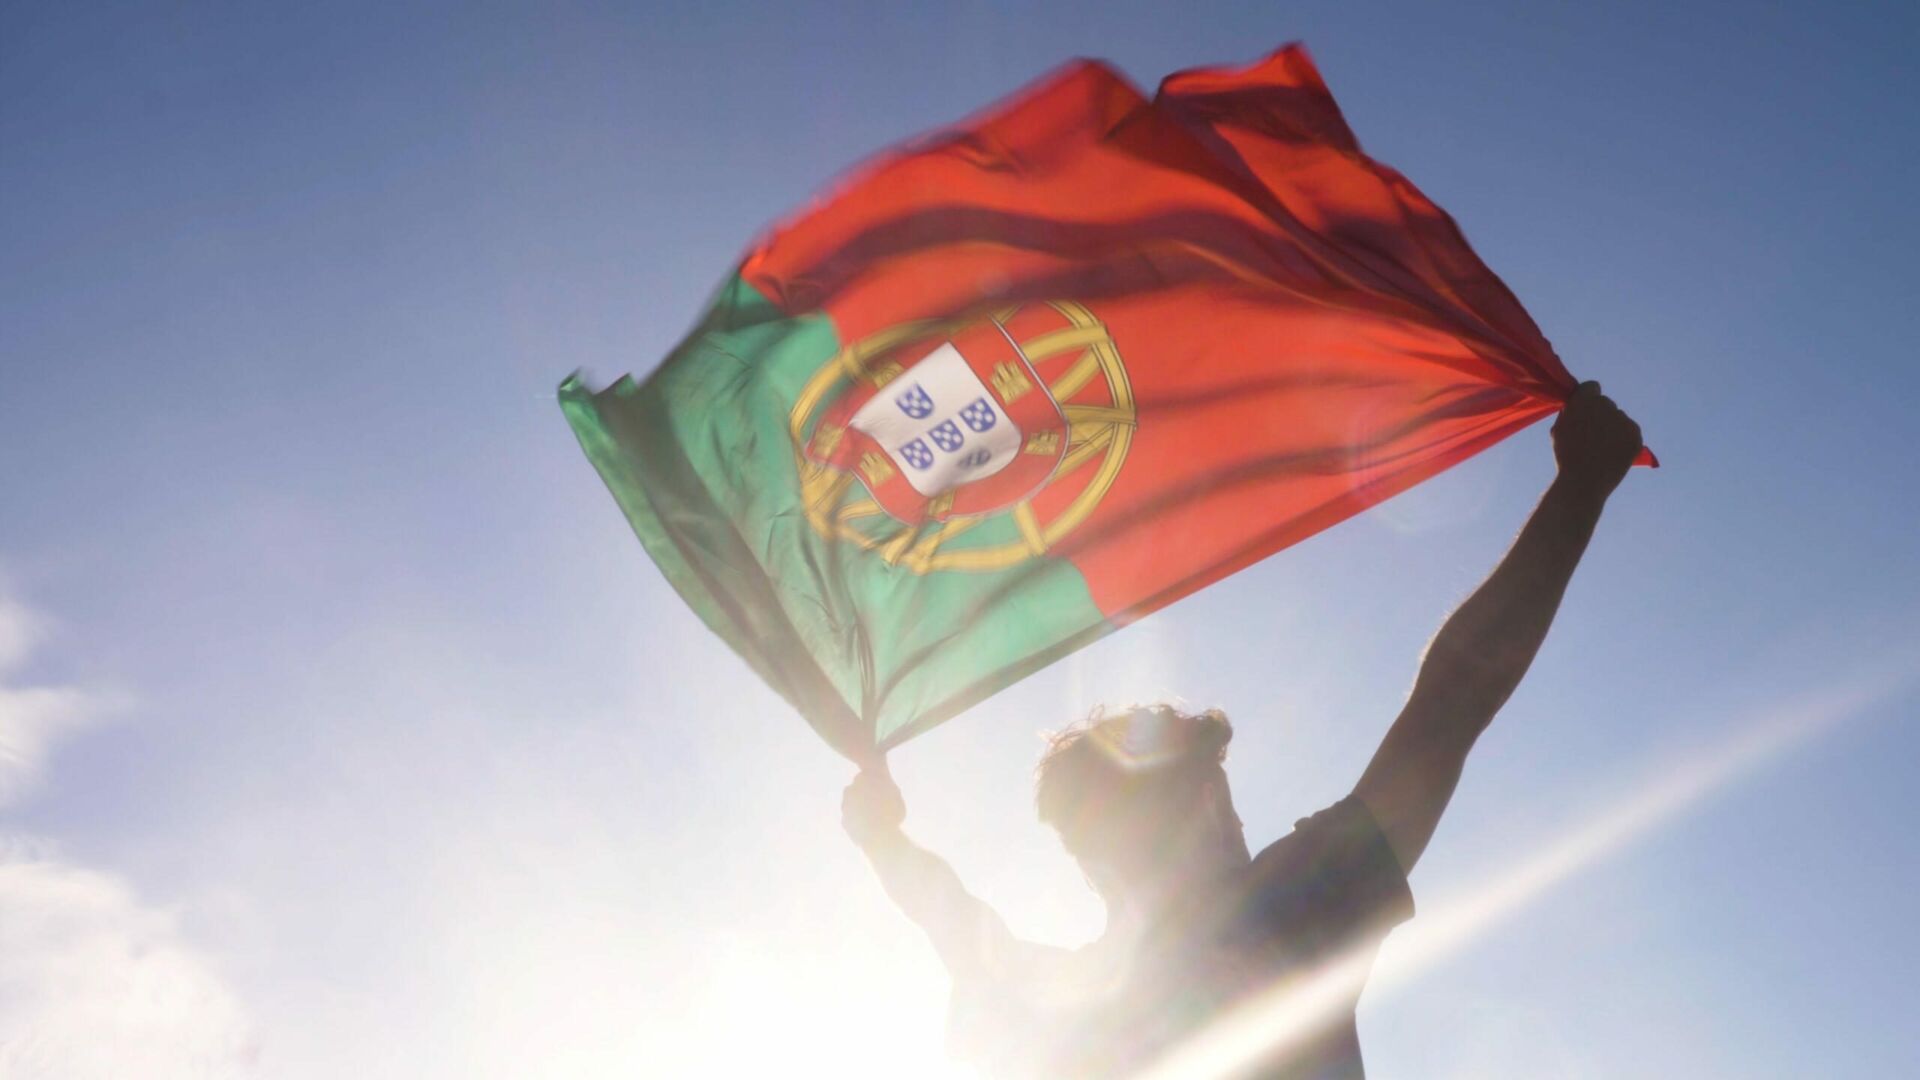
(32, 718)
(19, 632)
(31, 721)
(93, 983)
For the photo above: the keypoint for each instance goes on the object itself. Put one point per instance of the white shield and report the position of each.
(940, 424)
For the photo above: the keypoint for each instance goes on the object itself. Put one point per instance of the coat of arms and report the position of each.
(967, 444)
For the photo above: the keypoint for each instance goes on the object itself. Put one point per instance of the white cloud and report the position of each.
(19, 632)
(32, 718)
(93, 984)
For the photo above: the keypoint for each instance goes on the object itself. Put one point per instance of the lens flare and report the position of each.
(1281, 1017)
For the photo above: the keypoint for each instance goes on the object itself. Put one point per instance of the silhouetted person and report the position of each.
(1201, 933)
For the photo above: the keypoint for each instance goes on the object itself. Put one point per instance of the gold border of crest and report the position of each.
(1099, 433)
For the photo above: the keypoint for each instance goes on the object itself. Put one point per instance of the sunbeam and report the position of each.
(1284, 1014)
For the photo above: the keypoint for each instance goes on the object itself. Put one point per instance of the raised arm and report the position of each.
(971, 938)
(1480, 654)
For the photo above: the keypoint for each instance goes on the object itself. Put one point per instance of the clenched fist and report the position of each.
(1594, 442)
(872, 808)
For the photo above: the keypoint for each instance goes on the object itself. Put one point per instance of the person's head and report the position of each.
(1140, 794)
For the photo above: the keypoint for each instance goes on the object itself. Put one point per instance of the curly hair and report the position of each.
(1102, 770)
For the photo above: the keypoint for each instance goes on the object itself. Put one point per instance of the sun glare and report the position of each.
(1286, 1013)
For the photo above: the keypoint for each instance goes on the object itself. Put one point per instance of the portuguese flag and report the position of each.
(1030, 377)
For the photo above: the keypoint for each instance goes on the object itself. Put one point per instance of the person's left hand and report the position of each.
(872, 806)
(1594, 442)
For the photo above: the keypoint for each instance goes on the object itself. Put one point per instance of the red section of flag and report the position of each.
(1304, 332)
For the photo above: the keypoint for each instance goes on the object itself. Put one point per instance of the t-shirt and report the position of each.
(1320, 898)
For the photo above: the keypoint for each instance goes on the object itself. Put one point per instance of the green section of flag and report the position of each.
(700, 459)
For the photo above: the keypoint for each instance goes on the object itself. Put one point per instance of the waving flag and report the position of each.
(1041, 373)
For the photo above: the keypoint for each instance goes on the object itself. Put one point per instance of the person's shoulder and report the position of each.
(1347, 821)
(1334, 875)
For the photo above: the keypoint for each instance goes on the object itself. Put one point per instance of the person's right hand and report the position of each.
(872, 807)
(1594, 442)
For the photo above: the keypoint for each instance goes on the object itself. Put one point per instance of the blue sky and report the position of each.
(337, 699)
